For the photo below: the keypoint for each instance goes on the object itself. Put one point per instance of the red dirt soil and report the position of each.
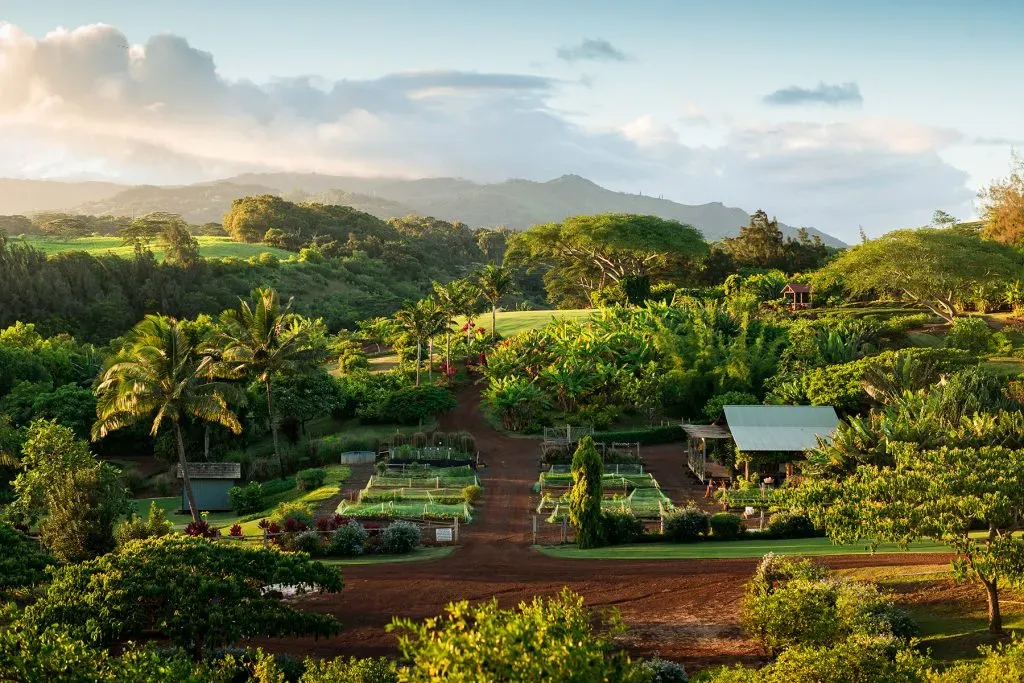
(685, 610)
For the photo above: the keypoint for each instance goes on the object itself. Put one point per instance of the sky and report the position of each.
(834, 115)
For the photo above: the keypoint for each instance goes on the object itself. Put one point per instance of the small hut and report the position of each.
(780, 429)
(211, 482)
(798, 294)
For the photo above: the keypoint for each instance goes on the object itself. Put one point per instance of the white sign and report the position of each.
(444, 535)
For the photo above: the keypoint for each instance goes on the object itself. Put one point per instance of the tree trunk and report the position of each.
(206, 442)
(430, 361)
(419, 360)
(494, 321)
(448, 351)
(273, 429)
(469, 333)
(995, 618)
(185, 478)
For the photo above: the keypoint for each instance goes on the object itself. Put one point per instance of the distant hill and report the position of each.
(28, 196)
(516, 204)
(202, 203)
(519, 204)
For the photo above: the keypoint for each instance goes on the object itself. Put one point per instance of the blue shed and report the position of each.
(211, 482)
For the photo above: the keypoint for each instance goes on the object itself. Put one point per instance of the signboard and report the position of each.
(444, 535)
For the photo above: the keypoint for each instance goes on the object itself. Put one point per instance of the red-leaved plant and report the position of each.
(201, 528)
(235, 531)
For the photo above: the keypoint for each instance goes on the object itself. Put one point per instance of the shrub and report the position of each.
(348, 540)
(585, 495)
(715, 407)
(308, 542)
(399, 538)
(352, 670)
(658, 670)
(408, 405)
(235, 531)
(789, 525)
(294, 513)
(619, 528)
(21, 562)
(472, 493)
(726, 526)
(135, 527)
(686, 526)
(859, 659)
(970, 334)
(547, 639)
(795, 603)
(311, 479)
(246, 499)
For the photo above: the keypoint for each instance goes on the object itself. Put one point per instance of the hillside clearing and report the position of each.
(209, 247)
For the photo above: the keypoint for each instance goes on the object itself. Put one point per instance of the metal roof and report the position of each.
(706, 431)
(213, 470)
(780, 428)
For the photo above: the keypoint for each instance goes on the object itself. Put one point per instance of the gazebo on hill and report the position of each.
(798, 294)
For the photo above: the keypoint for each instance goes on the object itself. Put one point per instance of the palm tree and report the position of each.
(161, 373)
(261, 339)
(455, 298)
(495, 283)
(419, 322)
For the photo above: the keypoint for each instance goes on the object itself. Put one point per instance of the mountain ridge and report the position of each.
(515, 203)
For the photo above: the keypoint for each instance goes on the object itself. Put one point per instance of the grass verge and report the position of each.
(418, 555)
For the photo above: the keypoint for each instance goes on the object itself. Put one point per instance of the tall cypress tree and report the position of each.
(585, 498)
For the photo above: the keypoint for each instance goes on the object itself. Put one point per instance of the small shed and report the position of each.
(211, 482)
(785, 429)
(798, 294)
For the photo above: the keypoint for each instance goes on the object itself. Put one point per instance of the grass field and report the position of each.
(209, 247)
(710, 550)
(514, 322)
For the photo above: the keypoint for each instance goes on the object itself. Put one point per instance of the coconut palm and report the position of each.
(263, 338)
(455, 298)
(420, 322)
(161, 374)
(495, 283)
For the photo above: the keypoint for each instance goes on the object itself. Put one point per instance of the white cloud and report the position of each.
(85, 102)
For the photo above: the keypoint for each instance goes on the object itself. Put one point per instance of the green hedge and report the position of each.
(645, 436)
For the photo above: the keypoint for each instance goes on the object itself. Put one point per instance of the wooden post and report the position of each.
(564, 531)
(535, 529)
(455, 531)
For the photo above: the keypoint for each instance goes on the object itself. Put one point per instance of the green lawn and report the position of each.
(709, 550)
(209, 247)
(336, 476)
(418, 555)
(513, 322)
(952, 626)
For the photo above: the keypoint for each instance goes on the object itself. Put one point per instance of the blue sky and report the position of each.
(827, 114)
